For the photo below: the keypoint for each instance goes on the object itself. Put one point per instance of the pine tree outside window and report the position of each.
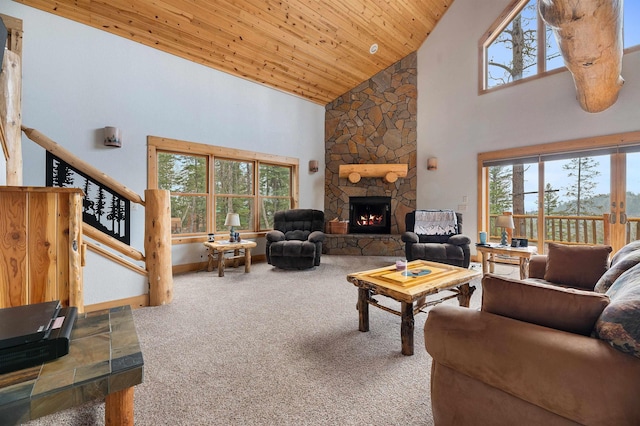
(206, 182)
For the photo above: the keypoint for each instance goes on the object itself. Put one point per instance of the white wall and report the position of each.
(77, 80)
(455, 123)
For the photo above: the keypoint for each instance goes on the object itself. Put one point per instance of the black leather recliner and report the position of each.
(296, 239)
(450, 249)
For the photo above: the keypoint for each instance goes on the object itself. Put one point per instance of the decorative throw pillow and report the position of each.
(619, 323)
(631, 247)
(618, 267)
(576, 266)
(567, 309)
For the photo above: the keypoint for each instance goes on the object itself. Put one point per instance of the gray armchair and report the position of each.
(452, 249)
(296, 240)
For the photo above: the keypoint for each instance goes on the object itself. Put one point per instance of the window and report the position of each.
(583, 191)
(207, 182)
(234, 191)
(185, 176)
(631, 27)
(513, 49)
(275, 190)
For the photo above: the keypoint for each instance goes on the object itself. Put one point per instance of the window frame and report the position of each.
(157, 144)
(494, 31)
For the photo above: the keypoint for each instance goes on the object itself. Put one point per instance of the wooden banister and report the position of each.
(84, 167)
(111, 242)
(119, 260)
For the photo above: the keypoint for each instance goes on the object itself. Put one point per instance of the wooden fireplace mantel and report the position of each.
(389, 172)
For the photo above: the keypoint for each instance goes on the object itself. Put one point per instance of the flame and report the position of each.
(370, 220)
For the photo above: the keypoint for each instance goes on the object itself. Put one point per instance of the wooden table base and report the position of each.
(407, 312)
(217, 250)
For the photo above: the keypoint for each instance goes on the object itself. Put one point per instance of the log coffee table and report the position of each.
(413, 285)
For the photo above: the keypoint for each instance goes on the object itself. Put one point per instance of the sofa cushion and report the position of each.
(293, 248)
(576, 266)
(298, 234)
(620, 266)
(619, 323)
(565, 309)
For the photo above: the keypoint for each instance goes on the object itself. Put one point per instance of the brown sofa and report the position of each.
(541, 354)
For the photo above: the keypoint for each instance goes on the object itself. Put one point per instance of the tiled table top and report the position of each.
(104, 357)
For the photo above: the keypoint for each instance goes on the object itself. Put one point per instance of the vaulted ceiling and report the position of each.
(315, 49)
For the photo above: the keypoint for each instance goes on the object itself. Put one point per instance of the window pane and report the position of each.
(188, 214)
(633, 196)
(268, 207)
(577, 187)
(512, 55)
(241, 205)
(554, 57)
(631, 27)
(514, 189)
(233, 177)
(275, 180)
(182, 173)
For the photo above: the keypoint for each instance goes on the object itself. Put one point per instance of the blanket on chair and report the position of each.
(436, 222)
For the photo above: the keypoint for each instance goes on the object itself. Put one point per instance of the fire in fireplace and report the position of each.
(370, 215)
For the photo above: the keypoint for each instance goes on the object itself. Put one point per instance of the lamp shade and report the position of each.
(505, 221)
(233, 219)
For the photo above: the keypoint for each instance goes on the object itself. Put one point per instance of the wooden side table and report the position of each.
(218, 248)
(522, 253)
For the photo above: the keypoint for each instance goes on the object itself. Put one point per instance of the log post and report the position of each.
(589, 34)
(76, 283)
(157, 246)
(11, 116)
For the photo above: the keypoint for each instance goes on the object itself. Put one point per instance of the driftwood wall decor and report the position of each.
(589, 34)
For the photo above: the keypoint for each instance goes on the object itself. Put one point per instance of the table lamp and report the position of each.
(504, 222)
(233, 219)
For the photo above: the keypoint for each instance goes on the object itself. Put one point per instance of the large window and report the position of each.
(207, 182)
(578, 192)
(521, 45)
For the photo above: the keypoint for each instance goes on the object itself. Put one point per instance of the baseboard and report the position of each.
(202, 266)
(135, 302)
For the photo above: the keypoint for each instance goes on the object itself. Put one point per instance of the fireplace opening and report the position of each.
(370, 215)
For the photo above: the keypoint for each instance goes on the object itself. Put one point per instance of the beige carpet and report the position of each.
(275, 347)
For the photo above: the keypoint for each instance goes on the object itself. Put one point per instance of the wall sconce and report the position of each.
(112, 137)
(313, 166)
(432, 163)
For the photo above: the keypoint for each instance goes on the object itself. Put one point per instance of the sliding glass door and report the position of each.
(577, 192)
(577, 196)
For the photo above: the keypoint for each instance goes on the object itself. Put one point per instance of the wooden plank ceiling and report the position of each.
(315, 49)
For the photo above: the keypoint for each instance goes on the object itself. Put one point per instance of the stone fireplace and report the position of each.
(374, 123)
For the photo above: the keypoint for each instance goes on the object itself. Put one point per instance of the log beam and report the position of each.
(389, 172)
(589, 34)
(11, 115)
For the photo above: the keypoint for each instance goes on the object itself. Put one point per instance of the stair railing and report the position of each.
(157, 234)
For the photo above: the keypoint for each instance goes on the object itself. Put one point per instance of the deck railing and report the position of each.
(566, 229)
